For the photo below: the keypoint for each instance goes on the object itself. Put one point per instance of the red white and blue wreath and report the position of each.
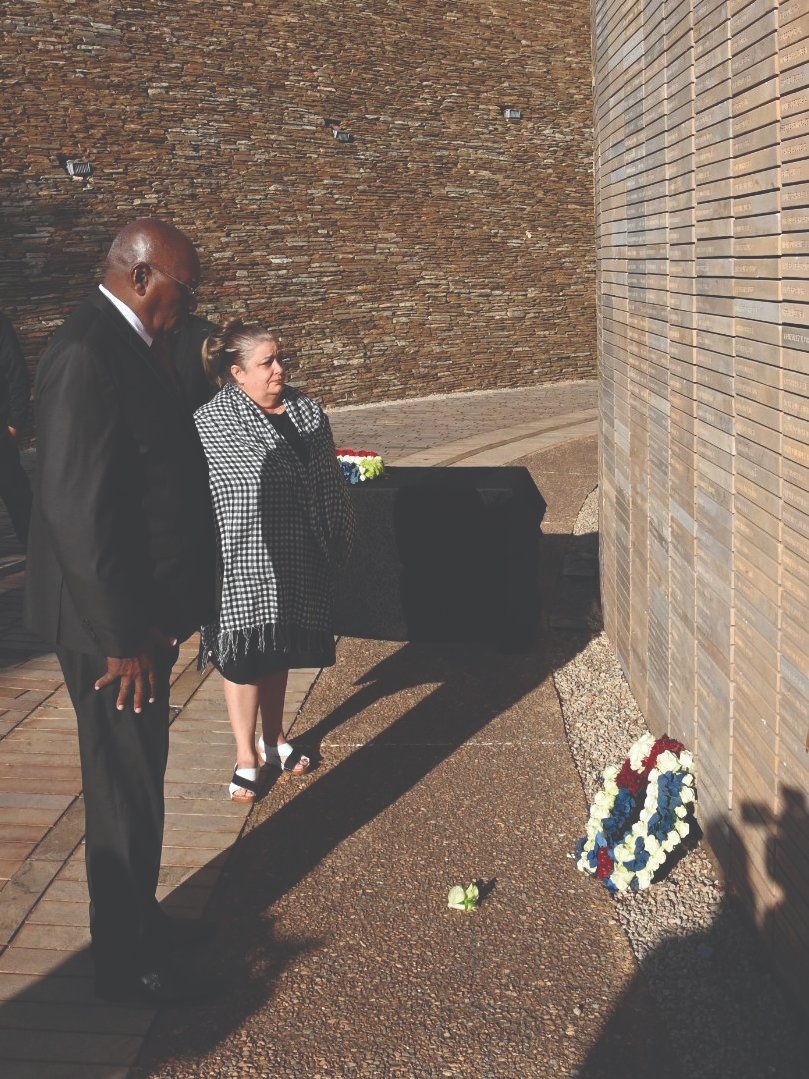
(639, 815)
(358, 466)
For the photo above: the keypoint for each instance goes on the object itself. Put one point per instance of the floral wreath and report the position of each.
(638, 816)
(360, 465)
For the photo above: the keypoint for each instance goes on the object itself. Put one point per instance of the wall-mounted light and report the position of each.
(75, 167)
(337, 129)
(511, 113)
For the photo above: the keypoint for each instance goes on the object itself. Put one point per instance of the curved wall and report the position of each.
(445, 248)
(702, 181)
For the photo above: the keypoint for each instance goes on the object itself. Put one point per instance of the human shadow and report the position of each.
(721, 1008)
(784, 926)
(474, 684)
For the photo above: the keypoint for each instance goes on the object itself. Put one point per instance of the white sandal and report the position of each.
(244, 785)
(285, 757)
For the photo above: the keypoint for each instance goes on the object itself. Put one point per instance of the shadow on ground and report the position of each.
(474, 685)
(728, 1015)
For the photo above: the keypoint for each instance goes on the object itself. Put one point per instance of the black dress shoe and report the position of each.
(160, 989)
(176, 934)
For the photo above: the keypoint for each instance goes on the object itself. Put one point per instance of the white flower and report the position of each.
(644, 878)
(640, 750)
(680, 811)
(652, 844)
(687, 760)
(682, 828)
(667, 762)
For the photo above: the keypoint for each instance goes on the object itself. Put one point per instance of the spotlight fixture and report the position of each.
(76, 168)
(511, 113)
(337, 129)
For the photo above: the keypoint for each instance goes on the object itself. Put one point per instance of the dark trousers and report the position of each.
(123, 765)
(15, 490)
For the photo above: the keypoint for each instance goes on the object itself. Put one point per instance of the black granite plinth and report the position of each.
(444, 554)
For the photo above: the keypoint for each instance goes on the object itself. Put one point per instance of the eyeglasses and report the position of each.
(192, 292)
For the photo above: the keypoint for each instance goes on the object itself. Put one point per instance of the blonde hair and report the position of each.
(232, 343)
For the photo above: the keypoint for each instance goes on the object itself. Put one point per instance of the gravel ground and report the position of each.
(698, 955)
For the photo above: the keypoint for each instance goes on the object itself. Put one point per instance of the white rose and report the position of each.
(640, 751)
(667, 762)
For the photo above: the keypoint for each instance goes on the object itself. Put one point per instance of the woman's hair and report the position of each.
(232, 343)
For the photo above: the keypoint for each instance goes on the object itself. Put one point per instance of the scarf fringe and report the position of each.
(226, 644)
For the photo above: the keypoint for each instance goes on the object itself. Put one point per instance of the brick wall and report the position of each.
(702, 180)
(445, 248)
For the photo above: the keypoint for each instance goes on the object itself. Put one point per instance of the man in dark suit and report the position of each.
(185, 347)
(121, 568)
(15, 387)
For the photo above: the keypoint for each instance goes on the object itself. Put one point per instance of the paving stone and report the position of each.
(21, 892)
(65, 938)
(66, 834)
(16, 1069)
(18, 959)
(92, 1018)
(65, 1047)
(34, 799)
(193, 856)
(60, 912)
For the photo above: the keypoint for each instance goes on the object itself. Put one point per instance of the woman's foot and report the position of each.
(244, 785)
(285, 757)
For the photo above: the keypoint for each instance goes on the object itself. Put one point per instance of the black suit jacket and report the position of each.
(15, 385)
(122, 531)
(185, 347)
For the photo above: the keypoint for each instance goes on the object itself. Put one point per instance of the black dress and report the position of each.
(255, 663)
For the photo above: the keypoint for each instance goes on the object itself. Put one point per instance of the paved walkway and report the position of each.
(50, 1026)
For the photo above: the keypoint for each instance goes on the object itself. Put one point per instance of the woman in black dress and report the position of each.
(284, 523)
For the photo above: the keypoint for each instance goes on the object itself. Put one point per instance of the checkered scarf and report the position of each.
(284, 527)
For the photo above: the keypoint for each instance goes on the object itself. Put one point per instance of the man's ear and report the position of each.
(139, 276)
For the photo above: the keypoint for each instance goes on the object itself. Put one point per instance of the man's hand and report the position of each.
(134, 672)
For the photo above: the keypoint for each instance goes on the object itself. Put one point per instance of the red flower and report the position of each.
(628, 778)
(604, 863)
(660, 746)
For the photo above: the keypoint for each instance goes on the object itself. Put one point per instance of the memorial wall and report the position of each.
(443, 246)
(702, 217)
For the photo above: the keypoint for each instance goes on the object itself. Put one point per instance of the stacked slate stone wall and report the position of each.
(444, 248)
(702, 191)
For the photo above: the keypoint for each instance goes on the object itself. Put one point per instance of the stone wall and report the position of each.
(702, 180)
(445, 248)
